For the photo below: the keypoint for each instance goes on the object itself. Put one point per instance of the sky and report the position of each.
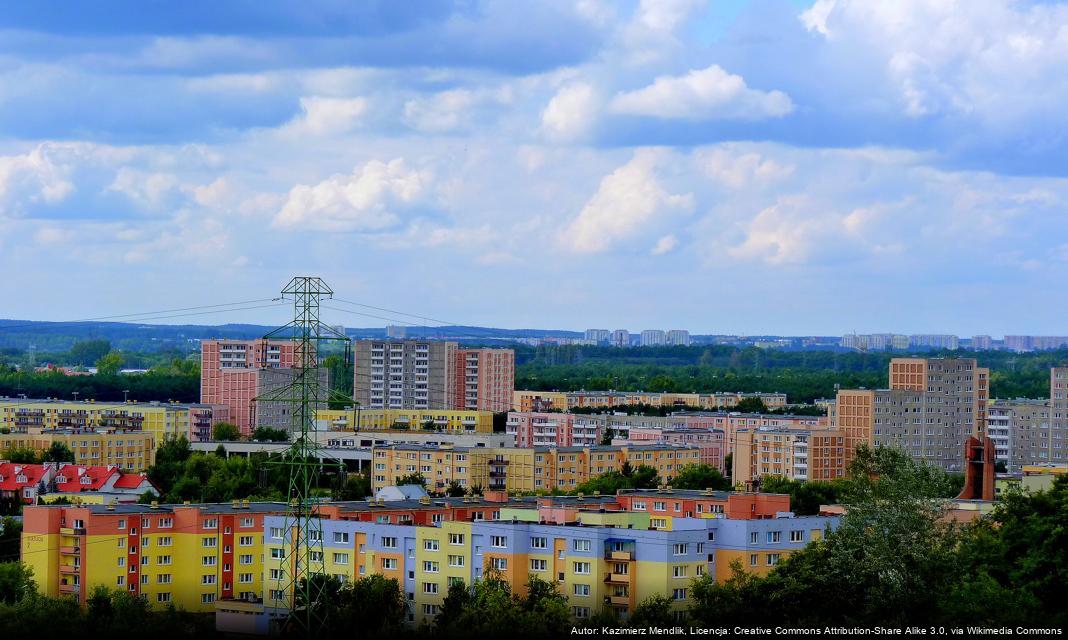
(725, 166)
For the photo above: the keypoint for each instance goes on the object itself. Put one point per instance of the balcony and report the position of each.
(617, 578)
(68, 569)
(498, 474)
(68, 588)
(618, 601)
(619, 555)
(68, 531)
(70, 550)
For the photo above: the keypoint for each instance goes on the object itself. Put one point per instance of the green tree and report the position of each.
(267, 434)
(110, 364)
(356, 486)
(455, 490)
(225, 431)
(654, 611)
(87, 352)
(700, 476)
(10, 539)
(428, 425)
(490, 608)
(20, 455)
(750, 405)
(412, 478)
(16, 581)
(57, 452)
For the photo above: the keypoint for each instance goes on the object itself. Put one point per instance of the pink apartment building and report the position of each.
(712, 442)
(234, 372)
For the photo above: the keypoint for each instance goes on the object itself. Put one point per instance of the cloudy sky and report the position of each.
(727, 166)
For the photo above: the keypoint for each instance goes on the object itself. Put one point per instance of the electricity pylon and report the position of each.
(304, 578)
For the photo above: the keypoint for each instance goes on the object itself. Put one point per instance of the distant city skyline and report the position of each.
(774, 167)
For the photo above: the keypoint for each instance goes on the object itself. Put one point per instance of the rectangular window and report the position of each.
(797, 535)
(430, 545)
(430, 566)
(773, 559)
(207, 598)
(210, 542)
(581, 568)
(678, 594)
(163, 578)
(389, 542)
(163, 560)
(246, 541)
(389, 563)
(752, 559)
(678, 571)
(580, 545)
(680, 549)
(430, 587)
(456, 538)
(456, 561)
(276, 533)
(537, 543)
(209, 561)
(164, 541)
(245, 559)
(341, 537)
(582, 590)
(774, 536)
(278, 554)
(208, 578)
(538, 565)
(500, 564)
(499, 542)
(163, 597)
(341, 558)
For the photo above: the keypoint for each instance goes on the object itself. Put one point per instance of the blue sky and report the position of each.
(727, 166)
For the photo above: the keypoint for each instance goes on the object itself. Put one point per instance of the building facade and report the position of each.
(158, 419)
(483, 379)
(360, 419)
(235, 372)
(127, 450)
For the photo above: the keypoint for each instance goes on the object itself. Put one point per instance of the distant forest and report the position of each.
(803, 375)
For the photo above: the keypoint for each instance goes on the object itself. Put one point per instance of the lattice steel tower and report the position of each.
(303, 395)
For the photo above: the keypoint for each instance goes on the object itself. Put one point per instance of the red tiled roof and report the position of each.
(33, 473)
(130, 480)
(73, 473)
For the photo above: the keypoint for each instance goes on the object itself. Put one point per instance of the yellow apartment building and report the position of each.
(411, 419)
(127, 450)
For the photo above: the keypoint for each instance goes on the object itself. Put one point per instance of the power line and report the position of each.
(152, 314)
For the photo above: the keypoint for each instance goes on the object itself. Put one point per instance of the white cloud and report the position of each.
(32, 178)
(626, 204)
(571, 113)
(650, 35)
(322, 116)
(666, 244)
(738, 169)
(148, 190)
(1000, 62)
(439, 113)
(363, 201)
(701, 94)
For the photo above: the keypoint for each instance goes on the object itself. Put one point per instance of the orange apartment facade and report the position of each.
(234, 372)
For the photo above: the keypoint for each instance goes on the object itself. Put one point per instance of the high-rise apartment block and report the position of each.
(935, 341)
(1035, 343)
(1054, 447)
(678, 338)
(620, 338)
(982, 343)
(653, 338)
(483, 379)
(931, 407)
(234, 372)
(1024, 433)
(598, 336)
(432, 374)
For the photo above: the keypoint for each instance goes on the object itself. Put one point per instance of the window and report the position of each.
(122, 523)
(658, 523)
(773, 559)
(638, 505)
(456, 561)
(164, 541)
(389, 542)
(499, 542)
(430, 545)
(120, 581)
(537, 543)
(581, 612)
(341, 558)
(122, 561)
(580, 545)
(797, 536)
(700, 547)
(122, 543)
(430, 587)
(247, 522)
(209, 561)
(207, 598)
(678, 594)
(245, 559)
(163, 560)
(211, 542)
(211, 523)
(315, 535)
(245, 541)
(659, 506)
(500, 564)
(456, 538)
(678, 571)
(538, 565)
(389, 563)
(430, 609)
(430, 566)
(680, 549)
(208, 578)
(278, 594)
(582, 590)
(276, 533)
(145, 560)
(244, 578)
(341, 537)
(163, 597)
(144, 578)
(316, 556)
(581, 568)
(278, 554)
(753, 537)
(278, 574)
(752, 559)
(163, 578)
(774, 536)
